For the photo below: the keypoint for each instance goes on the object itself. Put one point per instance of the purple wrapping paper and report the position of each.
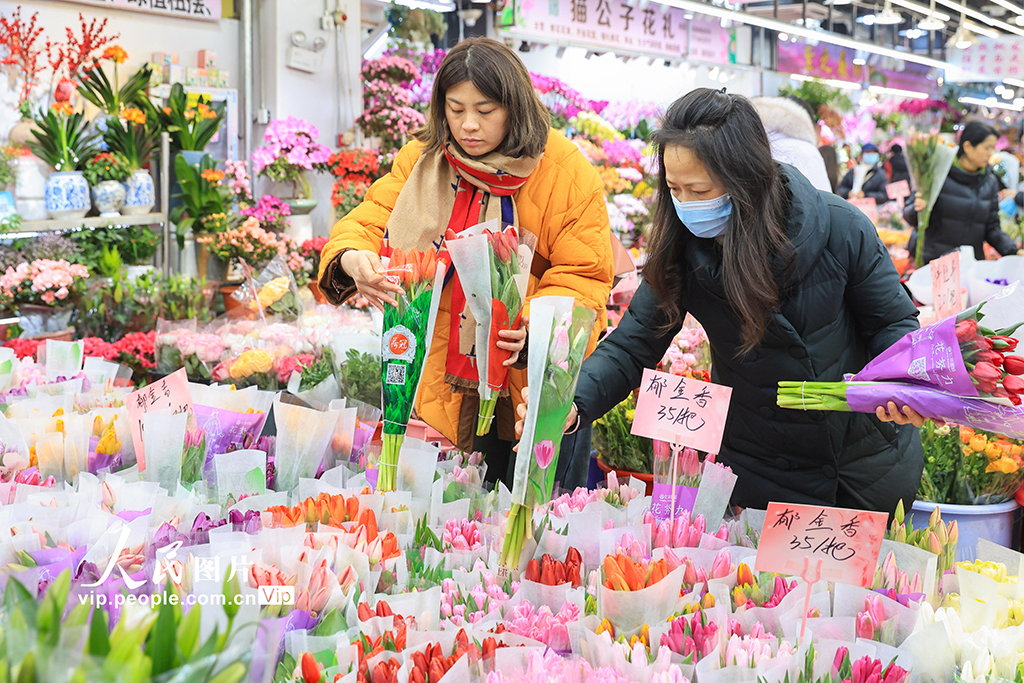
(224, 427)
(929, 356)
(661, 500)
(975, 412)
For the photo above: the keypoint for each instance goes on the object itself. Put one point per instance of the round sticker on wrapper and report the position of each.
(399, 343)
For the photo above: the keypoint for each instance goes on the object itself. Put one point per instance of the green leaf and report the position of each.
(99, 638)
(232, 674)
(27, 670)
(162, 638)
(18, 599)
(188, 634)
(210, 646)
(231, 592)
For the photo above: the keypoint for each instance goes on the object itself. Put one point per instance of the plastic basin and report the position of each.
(991, 522)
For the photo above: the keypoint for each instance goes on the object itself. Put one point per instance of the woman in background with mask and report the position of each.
(875, 178)
(790, 283)
(967, 209)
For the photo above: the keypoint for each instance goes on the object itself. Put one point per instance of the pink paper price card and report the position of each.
(846, 542)
(687, 411)
(898, 190)
(946, 285)
(170, 392)
(868, 206)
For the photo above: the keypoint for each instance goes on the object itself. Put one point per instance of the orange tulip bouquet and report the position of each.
(408, 329)
(493, 263)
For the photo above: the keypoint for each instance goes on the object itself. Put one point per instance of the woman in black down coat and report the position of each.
(790, 283)
(967, 210)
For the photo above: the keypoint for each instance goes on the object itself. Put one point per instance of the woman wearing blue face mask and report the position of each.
(875, 178)
(790, 283)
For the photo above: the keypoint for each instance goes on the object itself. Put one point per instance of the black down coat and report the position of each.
(966, 213)
(842, 304)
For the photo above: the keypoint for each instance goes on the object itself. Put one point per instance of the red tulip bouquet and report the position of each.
(957, 370)
(408, 329)
(493, 264)
(559, 332)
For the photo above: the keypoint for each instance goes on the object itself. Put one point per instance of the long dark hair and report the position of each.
(498, 73)
(725, 132)
(975, 132)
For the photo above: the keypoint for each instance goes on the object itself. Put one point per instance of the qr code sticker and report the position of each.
(395, 374)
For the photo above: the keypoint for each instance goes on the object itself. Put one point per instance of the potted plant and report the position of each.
(191, 126)
(203, 200)
(271, 212)
(135, 245)
(971, 476)
(43, 291)
(111, 97)
(249, 243)
(620, 451)
(62, 142)
(134, 136)
(104, 172)
(292, 148)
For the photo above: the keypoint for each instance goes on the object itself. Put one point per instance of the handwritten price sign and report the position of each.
(170, 392)
(868, 206)
(845, 541)
(688, 411)
(946, 285)
(898, 191)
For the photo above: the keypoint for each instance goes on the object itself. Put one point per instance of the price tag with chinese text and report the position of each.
(868, 206)
(846, 541)
(946, 285)
(688, 411)
(170, 392)
(898, 191)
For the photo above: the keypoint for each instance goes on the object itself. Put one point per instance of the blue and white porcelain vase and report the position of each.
(108, 197)
(141, 194)
(67, 195)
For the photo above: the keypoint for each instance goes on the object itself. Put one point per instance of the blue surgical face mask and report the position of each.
(707, 218)
(1009, 207)
(871, 158)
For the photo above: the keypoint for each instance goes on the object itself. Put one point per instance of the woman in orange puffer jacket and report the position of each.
(487, 151)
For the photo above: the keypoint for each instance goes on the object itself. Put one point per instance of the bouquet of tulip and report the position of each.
(621, 573)
(552, 572)
(493, 264)
(955, 370)
(937, 537)
(408, 331)
(693, 637)
(559, 333)
(764, 590)
(929, 159)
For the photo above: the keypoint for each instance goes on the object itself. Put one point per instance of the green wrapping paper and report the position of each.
(405, 345)
(559, 333)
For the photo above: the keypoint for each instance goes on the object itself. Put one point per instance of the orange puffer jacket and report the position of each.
(562, 203)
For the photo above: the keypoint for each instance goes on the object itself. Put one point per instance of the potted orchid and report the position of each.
(43, 291)
(291, 148)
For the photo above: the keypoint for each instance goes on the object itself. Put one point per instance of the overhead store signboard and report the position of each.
(830, 61)
(208, 10)
(615, 25)
(992, 59)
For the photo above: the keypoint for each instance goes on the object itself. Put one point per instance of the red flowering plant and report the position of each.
(347, 195)
(355, 170)
(67, 58)
(311, 249)
(19, 37)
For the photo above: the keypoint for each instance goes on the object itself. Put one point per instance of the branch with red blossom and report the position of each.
(19, 37)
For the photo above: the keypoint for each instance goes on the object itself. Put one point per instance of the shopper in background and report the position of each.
(793, 135)
(967, 209)
(828, 153)
(487, 151)
(875, 179)
(897, 165)
(790, 283)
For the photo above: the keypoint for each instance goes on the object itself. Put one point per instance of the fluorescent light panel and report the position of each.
(922, 9)
(981, 30)
(982, 17)
(1014, 81)
(845, 85)
(991, 103)
(879, 90)
(801, 32)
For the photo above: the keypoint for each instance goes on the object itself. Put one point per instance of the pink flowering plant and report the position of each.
(237, 180)
(291, 148)
(388, 112)
(43, 282)
(269, 211)
(254, 245)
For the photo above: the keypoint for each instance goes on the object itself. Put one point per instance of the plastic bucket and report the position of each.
(1009, 269)
(991, 522)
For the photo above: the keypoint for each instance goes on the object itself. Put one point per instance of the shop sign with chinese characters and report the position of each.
(991, 59)
(616, 25)
(831, 61)
(209, 10)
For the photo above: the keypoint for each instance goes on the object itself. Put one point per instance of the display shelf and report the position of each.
(89, 222)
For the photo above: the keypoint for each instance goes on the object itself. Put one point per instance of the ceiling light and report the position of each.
(860, 61)
(887, 17)
(981, 30)
(1019, 20)
(867, 20)
(931, 23)
(912, 33)
(802, 32)
(837, 3)
(783, 37)
(1014, 81)
(962, 39)
(713, 73)
(845, 85)
(422, 4)
(999, 89)
(1008, 94)
(913, 94)
(982, 17)
(991, 103)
